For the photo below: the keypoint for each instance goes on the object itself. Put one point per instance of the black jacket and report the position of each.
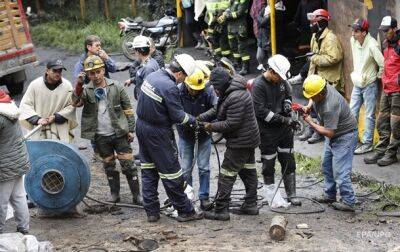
(235, 115)
(269, 100)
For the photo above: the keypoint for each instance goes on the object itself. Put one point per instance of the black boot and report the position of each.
(113, 182)
(373, 159)
(308, 132)
(205, 204)
(387, 159)
(250, 181)
(237, 64)
(133, 182)
(290, 187)
(225, 185)
(246, 209)
(245, 67)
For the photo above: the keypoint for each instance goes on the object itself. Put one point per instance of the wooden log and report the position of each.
(277, 230)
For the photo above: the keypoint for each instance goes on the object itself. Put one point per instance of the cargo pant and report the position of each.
(389, 124)
(219, 41)
(111, 147)
(159, 159)
(237, 162)
(237, 36)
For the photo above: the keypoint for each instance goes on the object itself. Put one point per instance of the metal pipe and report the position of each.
(273, 26)
(36, 129)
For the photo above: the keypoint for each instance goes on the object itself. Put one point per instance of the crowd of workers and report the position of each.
(201, 99)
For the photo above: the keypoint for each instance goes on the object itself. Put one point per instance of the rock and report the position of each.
(302, 226)
(382, 220)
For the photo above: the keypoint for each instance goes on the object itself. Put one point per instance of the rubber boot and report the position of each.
(245, 68)
(290, 187)
(308, 132)
(133, 183)
(221, 210)
(250, 181)
(114, 184)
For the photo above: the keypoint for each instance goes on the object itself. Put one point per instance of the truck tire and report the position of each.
(15, 82)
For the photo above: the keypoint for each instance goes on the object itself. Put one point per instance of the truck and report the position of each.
(17, 51)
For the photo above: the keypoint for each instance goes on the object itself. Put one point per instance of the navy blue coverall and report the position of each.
(159, 107)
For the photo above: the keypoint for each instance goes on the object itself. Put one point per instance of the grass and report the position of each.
(308, 166)
(70, 35)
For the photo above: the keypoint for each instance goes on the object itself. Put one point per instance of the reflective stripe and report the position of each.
(250, 166)
(231, 36)
(147, 166)
(228, 173)
(147, 89)
(210, 30)
(235, 55)
(234, 15)
(223, 5)
(285, 150)
(269, 116)
(128, 112)
(269, 157)
(226, 52)
(217, 50)
(247, 57)
(185, 119)
(171, 176)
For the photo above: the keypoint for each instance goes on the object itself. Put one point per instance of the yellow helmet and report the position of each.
(93, 62)
(196, 81)
(313, 85)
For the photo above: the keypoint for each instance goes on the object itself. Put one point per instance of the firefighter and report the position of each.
(272, 104)
(217, 30)
(108, 120)
(159, 108)
(141, 47)
(236, 121)
(236, 19)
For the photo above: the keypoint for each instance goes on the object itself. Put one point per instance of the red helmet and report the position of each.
(319, 15)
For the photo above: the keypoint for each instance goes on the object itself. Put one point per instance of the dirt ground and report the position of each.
(126, 229)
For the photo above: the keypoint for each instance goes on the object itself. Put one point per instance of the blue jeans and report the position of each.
(186, 152)
(337, 162)
(367, 95)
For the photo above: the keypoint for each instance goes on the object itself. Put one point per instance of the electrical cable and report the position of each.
(114, 204)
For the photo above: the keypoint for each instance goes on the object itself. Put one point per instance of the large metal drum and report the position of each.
(59, 177)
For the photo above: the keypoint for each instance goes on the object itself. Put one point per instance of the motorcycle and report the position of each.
(164, 32)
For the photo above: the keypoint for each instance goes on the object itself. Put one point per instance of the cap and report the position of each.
(387, 23)
(55, 64)
(360, 24)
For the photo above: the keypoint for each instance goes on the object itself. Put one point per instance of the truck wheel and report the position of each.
(15, 88)
(15, 82)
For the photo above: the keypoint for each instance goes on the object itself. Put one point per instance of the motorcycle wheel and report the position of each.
(125, 48)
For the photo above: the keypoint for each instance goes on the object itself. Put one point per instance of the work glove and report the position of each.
(287, 106)
(79, 84)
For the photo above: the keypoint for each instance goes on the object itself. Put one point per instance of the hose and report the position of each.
(114, 204)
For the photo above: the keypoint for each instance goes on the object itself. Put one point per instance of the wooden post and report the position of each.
(277, 229)
(273, 27)
(82, 5)
(179, 15)
(106, 9)
(133, 5)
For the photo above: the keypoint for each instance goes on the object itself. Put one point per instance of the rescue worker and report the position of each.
(159, 108)
(339, 127)
(217, 31)
(327, 60)
(141, 48)
(108, 120)
(236, 19)
(272, 99)
(389, 110)
(197, 98)
(237, 122)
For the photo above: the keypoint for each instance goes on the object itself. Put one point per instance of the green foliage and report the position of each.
(307, 165)
(71, 35)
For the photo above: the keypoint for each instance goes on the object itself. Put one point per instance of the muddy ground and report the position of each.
(124, 229)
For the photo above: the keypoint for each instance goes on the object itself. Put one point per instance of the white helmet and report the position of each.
(187, 63)
(140, 42)
(281, 65)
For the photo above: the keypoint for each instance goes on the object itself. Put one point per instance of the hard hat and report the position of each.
(281, 65)
(313, 85)
(226, 63)
(205, 67)
(93, 62)
(360, 24)
(196, 81)
(141, 41)
(318, 15)
(187, 63)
